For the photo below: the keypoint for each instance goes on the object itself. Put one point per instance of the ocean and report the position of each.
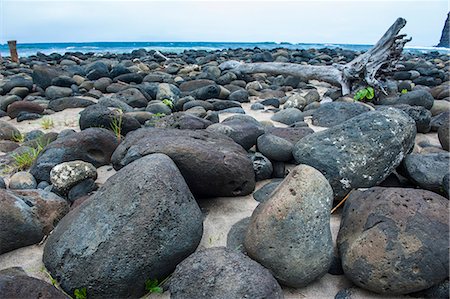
(26, 50)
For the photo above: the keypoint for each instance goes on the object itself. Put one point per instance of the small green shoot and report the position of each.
(80, 293)
(47, 123)
(152, 286)
(116, 124)
(365, 94)
(18, 137)
(168, 103)
(159, 115)
(24, 160)
(404, 90)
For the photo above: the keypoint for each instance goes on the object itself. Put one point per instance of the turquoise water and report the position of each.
(178, 47)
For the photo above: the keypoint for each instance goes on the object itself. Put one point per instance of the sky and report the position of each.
(331, 21)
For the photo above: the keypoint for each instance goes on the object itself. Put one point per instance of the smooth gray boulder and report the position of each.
(290, 232)
(222, 273)
(360, 152)
(139, 225)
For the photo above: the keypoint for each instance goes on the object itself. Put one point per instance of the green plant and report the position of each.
(80, 293)
(168, 103)
(152, 286)
(25, 159)
(159, 115)
(365, 94)
(404, 90)
(116, 124)
(47, 123)
(18, 137)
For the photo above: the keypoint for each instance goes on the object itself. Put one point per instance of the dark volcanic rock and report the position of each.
(385, 241)
(438, 120)
(206, 92)
(418, 97)
(14, 283)
(290, 232)
(133, 97)
(43, 75)
(421, 116)
(264, 193)
(93, 145)
(183, 121)
(293, 134)
(144, 217)
(8, 131)
(334, 113)
(262, 166)
(27, 215)
(427, 170)
(360, 152)
(69, 102)
(23, 106)
(243, 129)
(212, 164)
(443, 135)
(15, 81)
(288, 116)
(275, 148)
(103, 117)
(224, 273)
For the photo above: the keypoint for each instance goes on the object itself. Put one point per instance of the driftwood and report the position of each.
(385, 53)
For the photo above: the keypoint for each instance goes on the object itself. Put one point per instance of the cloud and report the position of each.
(326, 21)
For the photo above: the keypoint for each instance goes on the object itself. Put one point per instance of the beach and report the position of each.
(212, 138)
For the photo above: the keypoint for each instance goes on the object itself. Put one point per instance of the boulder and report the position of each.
(23, 106)
(182, 121)
(275, 148)
(262, 166)
(104, 117)
(427, 170)
(288, 116)
(334, 113)
(243, 129)
(22, 180)
(360, 152)
(8, 131)
(15, 283)
(139, 225)
(444, 136)
(67, 174)
(394, 240)
(212, 164)
(290, 232)
(421, 116)
(93, 145)
(43, 75)
(27, 215)
(69, 102)
(56, 92)
(222, 273)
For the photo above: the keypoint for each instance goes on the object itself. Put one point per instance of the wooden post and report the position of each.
(13, 50)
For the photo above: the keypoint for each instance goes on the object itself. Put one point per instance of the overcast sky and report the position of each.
(354, 22)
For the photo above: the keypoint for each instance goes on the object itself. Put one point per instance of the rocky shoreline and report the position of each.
(131, 175)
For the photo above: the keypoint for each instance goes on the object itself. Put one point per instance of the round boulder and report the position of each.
(93, 145)
(212, 164)
(27, 215)
(395, 240)
(290, 232)
(139, 225)
(361, 152)
(22, 180)
(67, 174)
(334, 113)
(222, 273)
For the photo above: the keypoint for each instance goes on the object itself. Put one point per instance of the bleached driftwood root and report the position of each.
(385, 53)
